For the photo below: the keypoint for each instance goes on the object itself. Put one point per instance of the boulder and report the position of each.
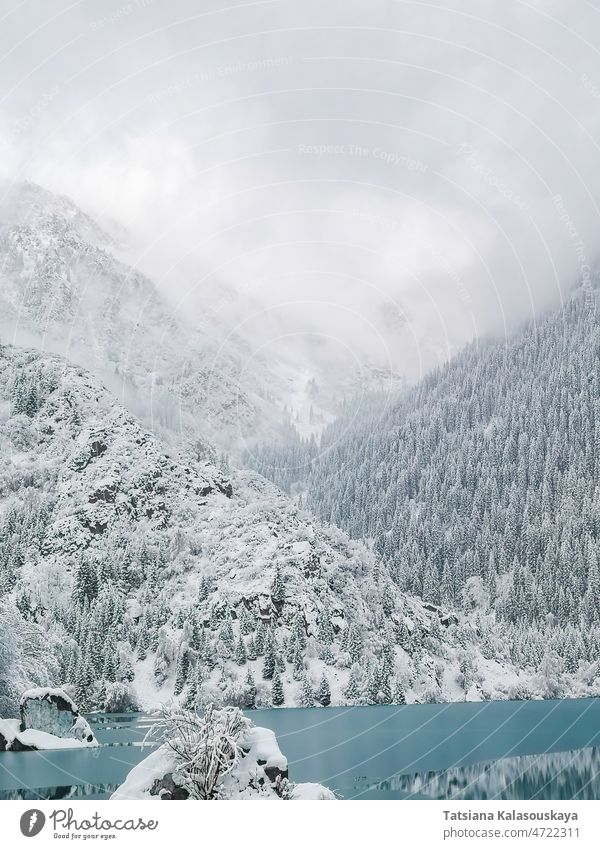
(54, 712)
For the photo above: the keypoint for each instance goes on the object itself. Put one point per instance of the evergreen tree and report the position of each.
(324, 627)
(240, 652)
(269, 662)
(277, 690)
(324, 692)
(278, 587)
(250, 690)
(86, 583)
(203, 590)
(305, 693)
(251, 649)
(398, 695)
(352, 689)
(259, 640)
(181, 671)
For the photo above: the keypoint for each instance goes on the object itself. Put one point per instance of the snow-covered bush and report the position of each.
(206, 747)
(219, 755)
(119, 698)
(519, 692)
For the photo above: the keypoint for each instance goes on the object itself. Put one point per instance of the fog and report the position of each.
(377, 181)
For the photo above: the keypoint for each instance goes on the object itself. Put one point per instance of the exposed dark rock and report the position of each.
(97, 448)
(273, 772)
(449, 619)
(180, 793)
(166, 789)
(18, 746)
(106, 494)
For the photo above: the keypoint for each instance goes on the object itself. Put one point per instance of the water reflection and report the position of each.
(75, 791)
(566, 775)
(460, 751)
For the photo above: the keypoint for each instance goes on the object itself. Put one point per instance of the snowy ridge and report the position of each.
(141, 567)
(66, 287)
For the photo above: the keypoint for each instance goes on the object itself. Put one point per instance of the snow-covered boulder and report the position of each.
(52, 713)
(250, 764)
(32, 740)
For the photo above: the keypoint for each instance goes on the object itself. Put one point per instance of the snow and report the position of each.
(46, 693)
(141, 778)
(264, 747)
(43, 741)
(39, 740)
(9, 728)
(311, 792)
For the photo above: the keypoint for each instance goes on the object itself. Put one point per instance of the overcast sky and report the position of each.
(397, 176)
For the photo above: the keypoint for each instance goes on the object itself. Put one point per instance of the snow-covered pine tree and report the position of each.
(270, 659)
(240, 652)
(352, 689)
(250, 690)
(277, 694)
(324, 692)
(278, 587)
(305, 692)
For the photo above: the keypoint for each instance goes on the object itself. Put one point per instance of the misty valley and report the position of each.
(419, 559)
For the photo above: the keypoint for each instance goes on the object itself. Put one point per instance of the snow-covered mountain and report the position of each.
(66, 288)
(138, 565)
(132, 568)
(479, 487)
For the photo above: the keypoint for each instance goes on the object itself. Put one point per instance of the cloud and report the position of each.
(395, 176)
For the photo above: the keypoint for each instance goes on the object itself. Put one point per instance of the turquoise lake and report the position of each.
(502, 750)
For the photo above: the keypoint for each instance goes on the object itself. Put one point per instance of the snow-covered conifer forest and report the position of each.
(479, 489)
(442, 544)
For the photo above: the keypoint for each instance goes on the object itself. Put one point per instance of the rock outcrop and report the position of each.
(52, 711)
(49, 720)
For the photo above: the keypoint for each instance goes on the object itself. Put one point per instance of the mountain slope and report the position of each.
(66, 288)
(481, 486)
(145, 567)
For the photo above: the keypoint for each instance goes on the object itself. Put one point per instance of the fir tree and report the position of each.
(278, 587)
(251, 649)
(250, 701)
(259, 640)
(240, 652)
(269, 662)
(181, 671)
(398, 694)
(324, 692)
(305, 692)
(86, 583)
(277, 690)
(352, 689)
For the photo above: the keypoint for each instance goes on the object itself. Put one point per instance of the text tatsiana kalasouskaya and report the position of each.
(558, 816)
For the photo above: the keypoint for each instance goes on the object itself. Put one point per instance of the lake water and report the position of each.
(502, 750)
